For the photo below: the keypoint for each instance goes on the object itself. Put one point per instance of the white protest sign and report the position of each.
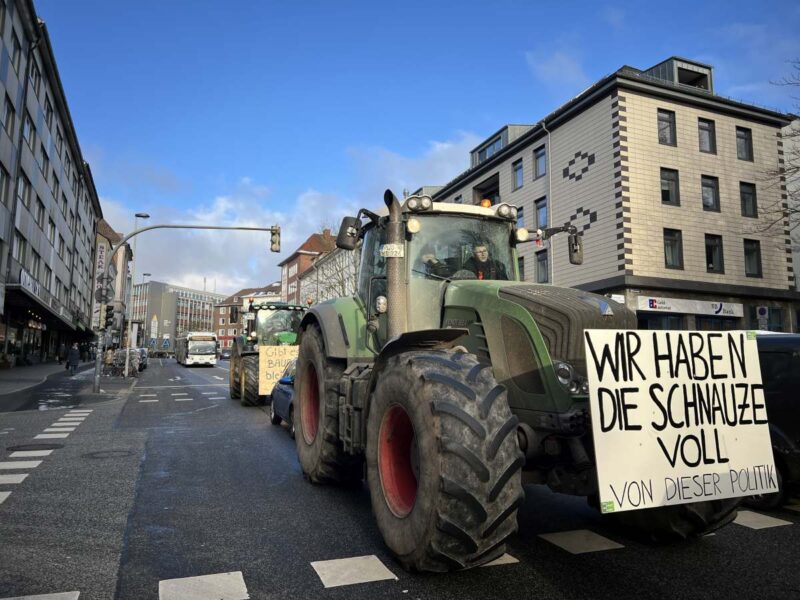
(677, 417)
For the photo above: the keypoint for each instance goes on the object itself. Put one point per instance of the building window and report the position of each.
(51, 231)
(458, 199)
(747, 193)
(8, 117)
(63, 205)
(48, 112)
(16, 51)
(710, 188)
(36, 77)
(714, 256)
(59, 141)
(490, 150)
(44, 161)
(521, 267)
(36, 263)
(542, 275)
(39, 214)
(744, 144)
(670, 191)
(231, 332)
(520, 217)
(221, 321)
(221, 332)
(24, 191)
(666, 127)
(47, 277)
(516, 168)
(29, 131)
(61, 246)
(4, 179)
(673, 249)
(223, 310)
(708, 136)
(541, 213)
(539, 162)
(752, 258)
(19, 250)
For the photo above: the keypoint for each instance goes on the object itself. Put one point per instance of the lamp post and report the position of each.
(130, 305)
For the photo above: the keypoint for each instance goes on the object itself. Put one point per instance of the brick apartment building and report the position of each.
(300, 261)
(228, 314)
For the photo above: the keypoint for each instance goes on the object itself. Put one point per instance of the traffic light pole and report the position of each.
(275, 245)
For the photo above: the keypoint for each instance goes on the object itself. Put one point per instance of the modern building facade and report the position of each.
(665, 181)
(165, 311)
(230, 314)
(49, 208)
(331, 275)
(300, 260)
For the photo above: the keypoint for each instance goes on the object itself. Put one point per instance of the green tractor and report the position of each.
(446, 377)
(260, 354)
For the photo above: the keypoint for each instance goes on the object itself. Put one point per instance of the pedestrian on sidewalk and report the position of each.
(73, 359)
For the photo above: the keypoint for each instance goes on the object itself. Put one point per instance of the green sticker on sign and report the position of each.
(607, 507)
(751, 335)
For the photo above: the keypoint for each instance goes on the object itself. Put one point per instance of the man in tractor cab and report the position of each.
(483, 266)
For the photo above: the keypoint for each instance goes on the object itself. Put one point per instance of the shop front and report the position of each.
(658, 312)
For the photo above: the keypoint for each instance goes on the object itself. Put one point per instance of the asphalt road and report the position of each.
(171, 480)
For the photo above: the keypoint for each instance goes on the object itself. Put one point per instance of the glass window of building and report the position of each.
(666, 128)
(59, 141)
(541, 213)
(44, 161)
(51, 231)
(752, 258)
(490, 150)
(61, 247)
(669, 187)
(35, 265)
(48, 112)
(36, 77)
(16, 51)
(8, 117)
(714, 255)
(516, 169)
(520, 217)
(19, 248)
(542, 272)
(39, 214)
(744, 143)
(4, 179)
(708, 136)
(540, 162)
(29, 132)
(710, 189)
(673, 249)
(747, 193)
(47, 277)
(24, 191)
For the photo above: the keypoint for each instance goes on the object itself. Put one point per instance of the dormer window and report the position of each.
(493, 148)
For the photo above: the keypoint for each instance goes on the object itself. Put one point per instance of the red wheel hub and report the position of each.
(396, 456)
(309, 405)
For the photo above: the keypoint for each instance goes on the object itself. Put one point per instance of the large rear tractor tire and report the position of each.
(248, 377)
(443, 461)
(679, 522)
(233, 377)
(316, 415)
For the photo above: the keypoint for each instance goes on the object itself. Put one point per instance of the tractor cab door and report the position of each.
(372, 284)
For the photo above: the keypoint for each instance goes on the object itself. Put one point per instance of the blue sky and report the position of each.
(295, 112)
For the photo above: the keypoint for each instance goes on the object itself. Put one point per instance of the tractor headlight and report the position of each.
(564, 373)
(504, 210)
(572, 381)
(413, 225)
(413, 204)
(523, 235)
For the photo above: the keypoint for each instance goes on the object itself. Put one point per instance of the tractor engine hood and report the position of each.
(561, 314)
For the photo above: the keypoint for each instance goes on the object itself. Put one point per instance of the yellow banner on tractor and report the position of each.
(272, 361)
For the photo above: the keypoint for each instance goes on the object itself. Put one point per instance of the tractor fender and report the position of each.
(425, 339)
(333, 333)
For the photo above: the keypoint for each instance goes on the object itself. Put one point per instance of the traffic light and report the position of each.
(275, 239)
(109, 321)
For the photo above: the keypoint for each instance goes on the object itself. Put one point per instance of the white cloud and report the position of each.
(559, 69)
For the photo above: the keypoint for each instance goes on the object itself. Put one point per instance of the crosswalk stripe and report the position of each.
(20, 464)
(755, 520)
(59, 429)
(30, 453)
(180, 394)
(59, 596)
(219, 586)
(16, 478)
(148, 395)
(580, 541)
(349, 571)
(50, 436)
(217, 398)
(3, 496)
(183, 399)
(146, 401)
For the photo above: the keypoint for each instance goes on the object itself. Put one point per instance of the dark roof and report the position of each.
(104, 229)
(272, 287)
(316, 242)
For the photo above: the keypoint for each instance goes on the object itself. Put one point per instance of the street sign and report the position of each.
(249, 316)
(762, 313)
(102, 295)
(166, 343)
(152, 342)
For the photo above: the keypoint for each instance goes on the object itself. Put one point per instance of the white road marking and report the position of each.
(61, 596)
(580, 541)
(146, 401)
(79, 413)
(148, 395)
(72, 420)
(216, 398)
(50, 436)
(30, 453)
(13, 478)
(349, 571)
(59, 429)
(3, 496)
(755, 520)
(223, 368)
(506, 559)
(180, 394)
(218, 377)
(183, 399)
(220, 586)
(185, 385)
(20, 464)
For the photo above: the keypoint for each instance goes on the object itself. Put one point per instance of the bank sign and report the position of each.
(677, 417)
(692, 307)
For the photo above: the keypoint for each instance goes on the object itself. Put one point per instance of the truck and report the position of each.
(445, 377)
(263, 349)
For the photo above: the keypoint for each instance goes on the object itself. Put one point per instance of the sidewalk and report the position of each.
(22, 378)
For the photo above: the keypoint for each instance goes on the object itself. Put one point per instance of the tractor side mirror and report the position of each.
(348, 233)
(575, 249)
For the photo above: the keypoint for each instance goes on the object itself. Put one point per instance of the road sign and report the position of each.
(102, 295)
(152, 342)
(166, 343)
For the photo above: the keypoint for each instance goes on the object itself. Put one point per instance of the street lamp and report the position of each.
(139, 215)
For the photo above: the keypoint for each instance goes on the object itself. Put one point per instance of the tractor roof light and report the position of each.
(506, 211)
(419, 203)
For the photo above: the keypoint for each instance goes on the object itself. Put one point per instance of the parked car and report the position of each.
(225, 354)
(779, 356)
(282, 406)
(143, 356)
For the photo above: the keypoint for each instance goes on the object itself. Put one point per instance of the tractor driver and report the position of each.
(429, 264)
(483, 266)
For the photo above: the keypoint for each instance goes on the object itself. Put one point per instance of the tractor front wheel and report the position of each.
(248, 377)
(316, 414)
(443, 461)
